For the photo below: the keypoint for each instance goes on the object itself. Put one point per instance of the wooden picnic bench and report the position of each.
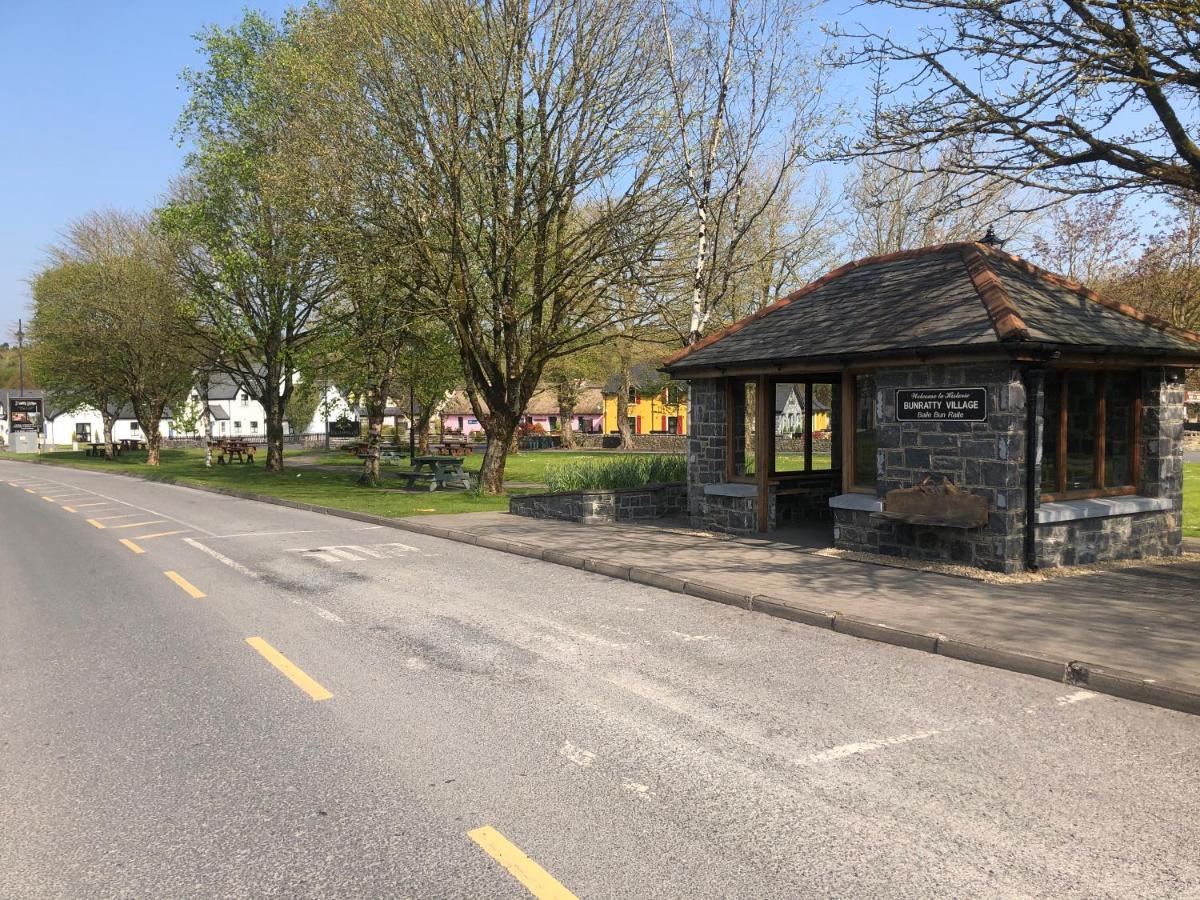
(97, 448)
(243, 451)
(443, 471)
(455, 445)
(131, 444)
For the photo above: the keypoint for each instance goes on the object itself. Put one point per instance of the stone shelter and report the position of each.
(983, 411)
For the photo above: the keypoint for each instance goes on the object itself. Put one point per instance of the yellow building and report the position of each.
(659, 410)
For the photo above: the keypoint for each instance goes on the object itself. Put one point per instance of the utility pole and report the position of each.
(412, 427)
(21, 355)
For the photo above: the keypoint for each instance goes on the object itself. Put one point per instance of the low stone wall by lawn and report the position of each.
(597, 507)
(668, 443)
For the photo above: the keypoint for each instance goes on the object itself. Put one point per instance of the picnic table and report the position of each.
(131, 444)
(243, 451)
(443, 471)
(96, 448)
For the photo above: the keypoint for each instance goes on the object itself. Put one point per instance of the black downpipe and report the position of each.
(1035, 380)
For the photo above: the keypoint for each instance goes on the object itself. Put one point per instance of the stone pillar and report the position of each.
(1163, 416)
(706, 442)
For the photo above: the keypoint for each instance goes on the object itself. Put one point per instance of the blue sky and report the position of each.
(90, 98)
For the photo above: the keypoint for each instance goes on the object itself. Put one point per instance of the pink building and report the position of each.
(542, 409)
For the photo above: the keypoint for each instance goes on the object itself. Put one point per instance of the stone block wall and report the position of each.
(985, 458)
(1086, 541)
(659, 443)
(706, 446)
(598, 507)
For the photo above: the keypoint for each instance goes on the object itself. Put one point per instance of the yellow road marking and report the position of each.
(138, 524)
(30, 491)
(185, 584)
(97, 524)
(537, 880)
(132, 546)
(49, 499)
(69, 509)
(289, 668)
(146, 537)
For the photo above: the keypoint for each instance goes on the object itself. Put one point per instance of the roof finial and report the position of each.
(990, 238)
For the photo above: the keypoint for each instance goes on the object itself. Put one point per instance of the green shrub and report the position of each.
(613, 474)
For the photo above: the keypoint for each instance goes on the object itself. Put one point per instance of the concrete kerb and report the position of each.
(1094, 677)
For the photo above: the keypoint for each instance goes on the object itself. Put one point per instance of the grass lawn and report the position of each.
(335, 489)
(338, 489)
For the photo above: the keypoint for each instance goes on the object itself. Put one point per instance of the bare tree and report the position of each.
(899, 202)
(748, 108)
(1068, 96)
(519, 139)
(1165, 278)
(1088, 240)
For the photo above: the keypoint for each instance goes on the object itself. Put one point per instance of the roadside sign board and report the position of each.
(25, 414)
(959, 404)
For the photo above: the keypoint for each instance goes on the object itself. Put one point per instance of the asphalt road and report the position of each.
(613, 740)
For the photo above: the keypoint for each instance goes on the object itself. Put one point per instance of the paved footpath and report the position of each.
(206, 696)
(1145, 620)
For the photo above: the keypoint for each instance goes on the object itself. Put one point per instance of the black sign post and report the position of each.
(964, 404)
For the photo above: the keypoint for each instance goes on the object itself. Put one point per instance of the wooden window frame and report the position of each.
(1060, 451)
(808, 471)
(850, 434)
(731, 387)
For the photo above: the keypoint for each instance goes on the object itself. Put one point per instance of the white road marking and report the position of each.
(222, 558)
(636, 788)
(582, 758)
(845, 750)
(250, 573)
(144, 509)
(687, 638)
(353, 552)
(280, 533)
(1077, 697)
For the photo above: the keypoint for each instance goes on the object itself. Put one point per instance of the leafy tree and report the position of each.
(114, 270)
(1069, 96)
(69, 355)
(243, 242)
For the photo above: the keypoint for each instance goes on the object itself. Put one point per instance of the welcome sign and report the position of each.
(963, 404)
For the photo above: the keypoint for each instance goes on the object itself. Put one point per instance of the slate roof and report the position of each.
(950, 297)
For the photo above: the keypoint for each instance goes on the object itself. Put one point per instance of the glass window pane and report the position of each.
(1050, 413)
(1118, 430)
(742, 443)
(864, 430)
(790, 426)
(1081, 431)
(822, 421)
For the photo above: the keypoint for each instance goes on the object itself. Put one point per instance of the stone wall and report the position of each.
(597, 507)
(664, 443)
(1086, 541)
(706, 445)
(985, 458)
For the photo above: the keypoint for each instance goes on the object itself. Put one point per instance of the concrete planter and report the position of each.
(654, 501)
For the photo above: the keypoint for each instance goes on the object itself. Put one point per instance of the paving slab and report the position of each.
(1144, 619)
